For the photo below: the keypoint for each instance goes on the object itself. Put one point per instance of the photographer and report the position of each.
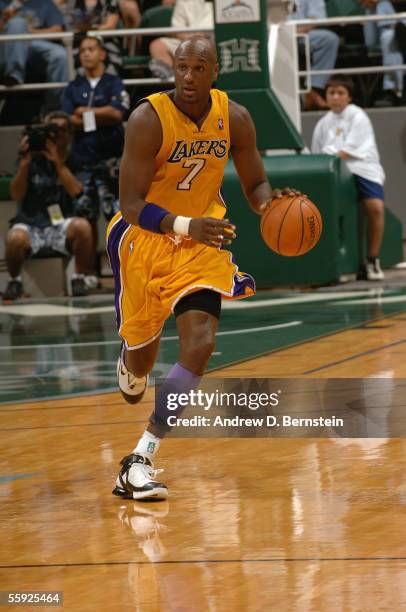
(46, 190)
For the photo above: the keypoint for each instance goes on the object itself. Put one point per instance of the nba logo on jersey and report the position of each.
(221, 124)
(131, 246)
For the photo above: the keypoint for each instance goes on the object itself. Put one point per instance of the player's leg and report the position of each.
(136, 478)
(375, 215)
(197, 318)
(133, 368)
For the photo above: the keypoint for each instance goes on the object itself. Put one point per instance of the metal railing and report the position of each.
(67, 38)
(330, 21)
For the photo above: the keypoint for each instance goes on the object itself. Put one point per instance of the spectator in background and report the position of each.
(323, 48)
(97, 103)
(46, 187)
(18, 58)
(186, 14)
(346, 131)
(384, 33)
(130, 13)
(131, 16)
(84, 15)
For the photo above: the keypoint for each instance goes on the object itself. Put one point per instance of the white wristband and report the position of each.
(181, 225)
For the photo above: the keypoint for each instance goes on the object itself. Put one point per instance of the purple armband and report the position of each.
(151, 216)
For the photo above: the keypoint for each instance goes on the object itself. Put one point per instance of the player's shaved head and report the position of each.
(196, 69)
(198, 45)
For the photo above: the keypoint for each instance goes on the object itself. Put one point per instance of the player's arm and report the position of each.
(143, 140)
(248, 161)
(246, 157)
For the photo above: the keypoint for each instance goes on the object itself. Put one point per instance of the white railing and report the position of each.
(330, 21)
(67, 38)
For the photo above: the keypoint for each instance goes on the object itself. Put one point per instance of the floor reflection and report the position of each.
(52, 349)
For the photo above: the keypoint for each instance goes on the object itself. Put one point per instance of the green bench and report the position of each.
(331, 187)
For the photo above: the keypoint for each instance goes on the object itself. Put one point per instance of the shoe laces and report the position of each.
(148, 471)
(146, 466)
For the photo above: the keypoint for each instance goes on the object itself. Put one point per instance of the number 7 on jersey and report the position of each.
(196, 166)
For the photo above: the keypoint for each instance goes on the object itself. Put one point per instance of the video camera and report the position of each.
(39, 134)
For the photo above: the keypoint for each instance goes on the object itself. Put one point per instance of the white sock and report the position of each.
(147, 445)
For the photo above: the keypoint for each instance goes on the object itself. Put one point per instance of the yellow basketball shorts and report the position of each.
(152, 273)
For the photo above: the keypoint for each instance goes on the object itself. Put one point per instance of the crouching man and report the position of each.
(46, 188)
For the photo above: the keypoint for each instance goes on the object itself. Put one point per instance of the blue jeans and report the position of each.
(323, 50)
(384, 33)
(50, 56)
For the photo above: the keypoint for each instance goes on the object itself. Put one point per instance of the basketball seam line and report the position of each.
(301, 216)
(281, 225)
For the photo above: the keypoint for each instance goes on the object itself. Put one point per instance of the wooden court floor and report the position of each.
(251, 524)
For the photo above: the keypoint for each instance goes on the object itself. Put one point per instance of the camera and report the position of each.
(39, 134)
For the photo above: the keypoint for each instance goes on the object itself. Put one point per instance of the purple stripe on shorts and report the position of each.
(241, 281)
(113, 246)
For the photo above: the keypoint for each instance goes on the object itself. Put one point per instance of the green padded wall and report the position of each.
(331, 187)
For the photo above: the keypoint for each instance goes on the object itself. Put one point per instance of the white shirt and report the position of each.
(193, 13)
(93, 82)
(350, 131)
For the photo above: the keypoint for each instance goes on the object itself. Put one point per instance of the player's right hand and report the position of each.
(212, 232)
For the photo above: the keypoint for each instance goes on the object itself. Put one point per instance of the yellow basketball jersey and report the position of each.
(190, 163)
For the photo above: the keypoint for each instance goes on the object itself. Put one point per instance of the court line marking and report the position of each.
(36, 409)
(74, 425)
(355, 356)
(299, 299)
(46, 310)
(17, 477)
(195, 561)
(247, 330)
(390, 299)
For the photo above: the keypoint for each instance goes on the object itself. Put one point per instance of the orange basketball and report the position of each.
(291, 225)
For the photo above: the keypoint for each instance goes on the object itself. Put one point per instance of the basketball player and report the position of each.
(166, 245)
